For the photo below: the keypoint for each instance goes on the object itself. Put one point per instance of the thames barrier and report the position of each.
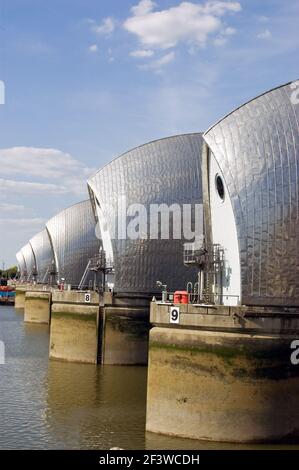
(191, 272)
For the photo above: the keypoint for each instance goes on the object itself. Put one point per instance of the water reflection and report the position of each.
(96, 407)
(55, 405)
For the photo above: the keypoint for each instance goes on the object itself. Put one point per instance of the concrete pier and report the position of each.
(74, 326)
(104, 330)
(223, 373)
(37, 307)
(20, 297)
(124, 332)
(89, 328)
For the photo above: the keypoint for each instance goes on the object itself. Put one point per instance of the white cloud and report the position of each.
(6, 208)
(265, 34)
(142, 53)
(22, 223)
(42, 162)
(165, 60)
(188, 22)
(93, 48)
(229, 31)
(32, 181)
(105, 28)
(24, 187)
(160, 63)
(143, 8)
(222, 39)
(220, 8)
(41, 170)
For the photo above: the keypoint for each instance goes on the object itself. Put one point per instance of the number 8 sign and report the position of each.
(175, 315)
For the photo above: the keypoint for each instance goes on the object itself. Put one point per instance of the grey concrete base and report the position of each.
(74, 327)
(37, 307)
(219, 379)
(124, 335)
(97, 333)
(20, 298)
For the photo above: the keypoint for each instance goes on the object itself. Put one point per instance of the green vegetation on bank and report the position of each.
(9, 273)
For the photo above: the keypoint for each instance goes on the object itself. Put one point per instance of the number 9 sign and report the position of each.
(175, 315)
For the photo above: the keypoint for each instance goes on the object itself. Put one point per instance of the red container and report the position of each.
(4, 288)
(181, 297)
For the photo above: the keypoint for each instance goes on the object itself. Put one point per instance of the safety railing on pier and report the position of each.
(192, 298)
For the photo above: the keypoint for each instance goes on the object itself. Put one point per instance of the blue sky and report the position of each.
(89, 79)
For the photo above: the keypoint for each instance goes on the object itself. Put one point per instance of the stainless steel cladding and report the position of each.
(44, 256)
(74, 242)
(29, 262)
(256, 148)
(21, 265)
(168, 172)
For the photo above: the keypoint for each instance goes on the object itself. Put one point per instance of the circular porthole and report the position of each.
(220, 187)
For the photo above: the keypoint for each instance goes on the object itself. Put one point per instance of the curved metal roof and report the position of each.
(166, 171)
(73, 239)
(256, 147)
(21, 265)
(44, 256)
(30, 262)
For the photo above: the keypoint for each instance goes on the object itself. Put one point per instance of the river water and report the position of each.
(55, 405)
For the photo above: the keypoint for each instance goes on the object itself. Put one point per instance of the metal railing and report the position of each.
(97, 264)
(193, 299)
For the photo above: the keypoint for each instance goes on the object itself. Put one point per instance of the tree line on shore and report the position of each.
(9, 273)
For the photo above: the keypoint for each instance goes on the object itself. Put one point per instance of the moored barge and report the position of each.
(7, 295)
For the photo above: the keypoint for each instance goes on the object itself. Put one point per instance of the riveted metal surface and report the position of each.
(44, 255)
(257, 147)
(166, 171)
(21, 265)
(29, 261)
(72, 236)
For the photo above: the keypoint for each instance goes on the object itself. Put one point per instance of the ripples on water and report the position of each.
(56, 405)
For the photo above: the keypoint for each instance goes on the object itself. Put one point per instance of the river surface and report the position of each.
(56, 405)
